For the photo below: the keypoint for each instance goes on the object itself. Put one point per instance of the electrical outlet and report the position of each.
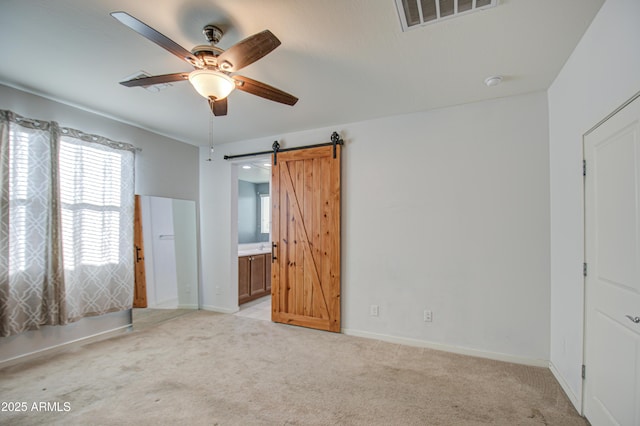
(218, 290)
(374, 310)
(427, 316)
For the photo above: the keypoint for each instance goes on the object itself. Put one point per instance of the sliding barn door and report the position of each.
(306, 236)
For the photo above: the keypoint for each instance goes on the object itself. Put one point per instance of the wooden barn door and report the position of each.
(306, 236)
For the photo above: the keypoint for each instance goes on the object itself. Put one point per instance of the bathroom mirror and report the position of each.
(170, 252)
(254, 202)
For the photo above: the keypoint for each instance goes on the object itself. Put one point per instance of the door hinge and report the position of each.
(584, 167)
(584, 269)
(584, 369)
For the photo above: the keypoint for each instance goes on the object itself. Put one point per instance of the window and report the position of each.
(18, 184)
(90, 182)
(265, 213)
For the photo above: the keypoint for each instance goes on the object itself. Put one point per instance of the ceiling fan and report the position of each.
(212, 76)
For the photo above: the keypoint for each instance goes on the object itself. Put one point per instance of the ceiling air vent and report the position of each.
(415, 13)
(151, 88)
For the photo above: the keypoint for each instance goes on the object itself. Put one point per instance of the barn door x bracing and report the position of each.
(305, 232)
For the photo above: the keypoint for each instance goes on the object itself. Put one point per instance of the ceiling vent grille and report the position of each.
(151, 88)
(415, 13)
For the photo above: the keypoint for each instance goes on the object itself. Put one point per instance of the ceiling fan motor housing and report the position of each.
(212, 33)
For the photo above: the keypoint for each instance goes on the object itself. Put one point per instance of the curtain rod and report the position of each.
(335, 140)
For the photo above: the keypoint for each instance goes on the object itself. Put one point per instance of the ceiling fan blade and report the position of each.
(154, 36)
(156, 79)
(263, 90)
(218, 107)
(247, 51)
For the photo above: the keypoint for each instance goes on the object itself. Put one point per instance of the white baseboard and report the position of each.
(165, 304)
(65, 346)
(218, 309)
(577, 402)
(188, 306)
(449, 348)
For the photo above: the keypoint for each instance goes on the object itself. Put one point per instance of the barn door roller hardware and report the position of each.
(335, 141)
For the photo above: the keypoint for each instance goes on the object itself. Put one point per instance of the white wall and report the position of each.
(601, 74)
(165, 167)
(445, 210)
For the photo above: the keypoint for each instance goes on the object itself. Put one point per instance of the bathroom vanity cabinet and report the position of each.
(254, 277)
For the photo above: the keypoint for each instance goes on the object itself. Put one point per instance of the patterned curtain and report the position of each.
(97, 193)
(66, 224)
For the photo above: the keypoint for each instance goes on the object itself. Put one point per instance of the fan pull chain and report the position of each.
(210, 137)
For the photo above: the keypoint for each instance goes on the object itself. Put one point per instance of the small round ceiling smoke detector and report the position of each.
(493, 80)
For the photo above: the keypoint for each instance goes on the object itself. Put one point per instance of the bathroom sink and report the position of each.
(249, 252)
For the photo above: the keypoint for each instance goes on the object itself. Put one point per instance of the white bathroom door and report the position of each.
(612, 283)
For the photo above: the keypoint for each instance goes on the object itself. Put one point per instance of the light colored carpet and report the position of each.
(203, 368)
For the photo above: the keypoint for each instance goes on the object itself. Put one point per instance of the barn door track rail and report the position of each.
(275, 149)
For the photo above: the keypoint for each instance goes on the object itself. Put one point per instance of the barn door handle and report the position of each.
(138, 258)
(634, 320)
(273, 251)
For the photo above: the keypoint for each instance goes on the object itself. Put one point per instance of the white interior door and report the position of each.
(612, 285)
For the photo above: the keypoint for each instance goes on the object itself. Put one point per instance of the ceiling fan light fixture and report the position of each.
(211, 78)
(210, 83)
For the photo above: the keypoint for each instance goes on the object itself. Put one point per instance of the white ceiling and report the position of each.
(347, 60)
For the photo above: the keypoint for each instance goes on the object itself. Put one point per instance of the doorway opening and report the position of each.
(254, 237)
